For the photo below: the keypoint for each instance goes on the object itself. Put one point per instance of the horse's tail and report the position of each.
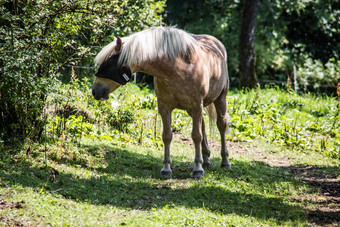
(213, 117)
(211, 113)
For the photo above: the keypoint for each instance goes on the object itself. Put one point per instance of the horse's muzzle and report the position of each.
(100, 94)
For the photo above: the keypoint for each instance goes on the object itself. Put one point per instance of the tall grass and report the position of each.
(303, 122)
(101, 173)
(306, 122)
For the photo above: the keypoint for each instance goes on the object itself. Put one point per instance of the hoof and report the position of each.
(226, 166)
(206, 165)
(166, 174)
(198, 174)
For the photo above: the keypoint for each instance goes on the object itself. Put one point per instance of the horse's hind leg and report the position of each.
(165, 113)
(205, 148)
(222, 125)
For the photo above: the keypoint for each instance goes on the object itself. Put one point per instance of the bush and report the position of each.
(40, 38)
(120, 118)
(313, 75)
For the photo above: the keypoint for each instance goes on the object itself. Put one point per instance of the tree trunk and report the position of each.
(246, 45)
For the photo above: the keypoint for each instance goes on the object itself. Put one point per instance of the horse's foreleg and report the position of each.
(165, 113)
(205, 148)
(222, 124)
(197, 137)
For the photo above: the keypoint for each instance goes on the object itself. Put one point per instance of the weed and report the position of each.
(286, 120)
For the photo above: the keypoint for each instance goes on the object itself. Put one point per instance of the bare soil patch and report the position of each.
(325, 209)
(6, 221)
(326, 204)
(8, 205)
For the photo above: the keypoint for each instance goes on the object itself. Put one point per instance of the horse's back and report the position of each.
(213, 44)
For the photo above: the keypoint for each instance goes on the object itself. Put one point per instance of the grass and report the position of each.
(127, 189)
(111, 178)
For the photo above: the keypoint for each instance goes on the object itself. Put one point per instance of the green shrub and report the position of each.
(313, 75)
(307, 122)
(40, 38)
(121, 117)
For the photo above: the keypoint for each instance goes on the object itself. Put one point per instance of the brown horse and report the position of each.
(190, 72)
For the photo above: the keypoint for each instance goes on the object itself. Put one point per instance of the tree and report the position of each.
(287, 33)
(39, 38)
(247, 56)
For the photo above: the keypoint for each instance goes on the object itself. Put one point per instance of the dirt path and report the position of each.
(325, 209)
(326, 205)
(7, 221)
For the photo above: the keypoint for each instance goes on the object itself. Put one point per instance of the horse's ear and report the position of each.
(118, 44)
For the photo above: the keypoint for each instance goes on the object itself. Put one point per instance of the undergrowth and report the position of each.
(98, 162)
(302, 122)
(306, 122)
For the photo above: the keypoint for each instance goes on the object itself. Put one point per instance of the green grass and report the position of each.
(110, 177)
(126, 188)
(306, 122)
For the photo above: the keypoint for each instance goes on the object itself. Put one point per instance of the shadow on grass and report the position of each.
(326, 179)
(131, 180)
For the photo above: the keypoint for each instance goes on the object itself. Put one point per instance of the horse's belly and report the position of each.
(179, 97)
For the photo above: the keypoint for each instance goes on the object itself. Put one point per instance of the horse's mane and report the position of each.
(104, 53)
(151, 44)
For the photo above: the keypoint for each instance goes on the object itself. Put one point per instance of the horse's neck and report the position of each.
(158, 68)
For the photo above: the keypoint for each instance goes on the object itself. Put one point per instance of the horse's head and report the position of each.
(111, 73)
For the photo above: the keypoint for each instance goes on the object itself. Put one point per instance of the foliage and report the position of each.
(314, 76)
(40, 39)
(130, 116)
(303, 123)
(286, 32)
(121, 118)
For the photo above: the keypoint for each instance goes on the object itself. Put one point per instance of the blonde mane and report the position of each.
(104, 53)
(151, 44)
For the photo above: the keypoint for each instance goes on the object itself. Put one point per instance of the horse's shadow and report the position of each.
(131, 180)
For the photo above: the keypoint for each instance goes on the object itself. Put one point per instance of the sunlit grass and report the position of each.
(109, 177)
(128, 189)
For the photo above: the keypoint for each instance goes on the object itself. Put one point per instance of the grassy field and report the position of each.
(89, 171)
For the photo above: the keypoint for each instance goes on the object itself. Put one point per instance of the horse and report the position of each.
(190, 72)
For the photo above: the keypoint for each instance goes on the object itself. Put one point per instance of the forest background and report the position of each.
(43, 41)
